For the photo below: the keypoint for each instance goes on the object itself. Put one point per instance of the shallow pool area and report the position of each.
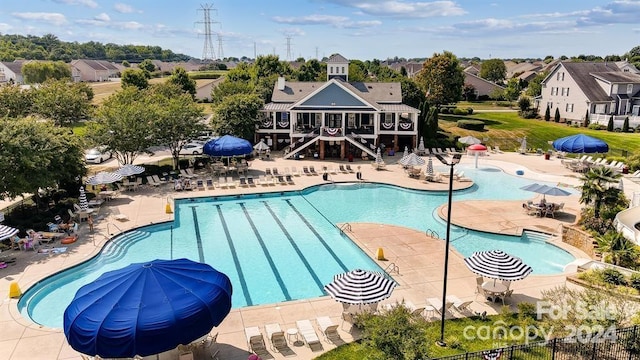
(285, 246)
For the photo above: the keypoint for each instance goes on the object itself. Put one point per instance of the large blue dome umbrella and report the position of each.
(580, 143)
(147, 308)
(227, 146)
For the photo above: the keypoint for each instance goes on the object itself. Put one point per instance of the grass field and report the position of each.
(103, 90)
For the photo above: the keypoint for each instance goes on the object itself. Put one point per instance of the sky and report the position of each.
(356, 29)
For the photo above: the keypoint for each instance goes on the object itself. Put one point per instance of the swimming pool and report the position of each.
(280, 247)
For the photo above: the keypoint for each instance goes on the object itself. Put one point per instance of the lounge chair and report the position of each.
(462, 307)
(328, 329)
(230, 182)
(281, 179)
(307, 332)
(294, 171)
(306, 171)
(289, 179)
(332, 170)
(349, 169)
(437, 305)
(312, 170)
(243, 182)
(191, 172)
(210, 184)
(152, 182)
(222, 182)
(200, 184)
(185, 174)
(267, 171)
(342, 169)
(276, 336)
(250, 181)
(255, 340)
(263, 180)
(275, 172)
(159, 180)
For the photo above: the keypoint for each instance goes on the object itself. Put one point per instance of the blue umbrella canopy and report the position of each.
(580, 144)
(227, 146)
(147, 308)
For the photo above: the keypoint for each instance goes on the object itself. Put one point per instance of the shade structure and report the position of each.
(429, 170)
(412, 159)
(477, 150)
(580, 144)
(360, 287)
(7, 232)
(261, 146)
(497, 264)
(406, 151)
(227, 145)
(147, 308)
(546, 190)
(130, 170)
(82, 199)
(104, 177)
(469, 140)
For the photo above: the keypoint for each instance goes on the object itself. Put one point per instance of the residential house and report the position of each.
(337, 118)
(93, 70)
(412, 67)
(11, 71)
(473, 69)
(204, 88)
(483, 88)
(601, 88)
(516, 69)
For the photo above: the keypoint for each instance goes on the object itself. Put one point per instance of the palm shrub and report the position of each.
(634, 281)
(613, 277)
(619, 251)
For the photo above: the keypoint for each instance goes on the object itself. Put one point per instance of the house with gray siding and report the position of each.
(601, 88)
(93, 70)
(11, 71)
(483, 88)
(337, 118)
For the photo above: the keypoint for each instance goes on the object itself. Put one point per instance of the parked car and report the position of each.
(192, 149)
(97, 155)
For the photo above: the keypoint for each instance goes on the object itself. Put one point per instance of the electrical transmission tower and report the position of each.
(207, 52)
(289, 48)
(220, 50)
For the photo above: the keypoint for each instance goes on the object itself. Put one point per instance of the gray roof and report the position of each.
(99, 64)
(581, 72)
(15, 66)
(386, 92)
(337, 58)
(618, 77)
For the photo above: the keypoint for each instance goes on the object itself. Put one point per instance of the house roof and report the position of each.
(618, 77)
(99, 64)
(582, 74)
(390, 92)
(337, 58)
(15, 66)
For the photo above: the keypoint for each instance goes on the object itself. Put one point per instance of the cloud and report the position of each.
(125, 9)
(4, 28)
(404, 9)
(617, 12)
(88, 3)
(103, 17)
(51, 18)
(292, 32)
(338, 22)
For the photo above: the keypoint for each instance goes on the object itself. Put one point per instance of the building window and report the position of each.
(569, 108)
(331, 70)
(567, 91)
(388, 118)
(343, 69)
(562, 91)
(550, 104)
(560, 76)
(629, 88)
(351, 120)
(601, 109)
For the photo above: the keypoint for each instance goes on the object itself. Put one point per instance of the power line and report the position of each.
(207, 52)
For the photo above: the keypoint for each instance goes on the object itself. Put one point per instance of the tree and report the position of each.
(147, 65)
(126, 64)
(524, 103)
(14, 101)
(534, 88)
(411, 93)
(180, 77)
(441, 78)
(177, 118)
(513, 89)
(556, 116)
(134, 77)
(586, 118)
(547, 114)
(625, 125)
(38, 72)
(610, 123)
(237, 115)
(62, 102)
(493, 70)
(227, 88)
(311, 71)
(497, 94)
(124, 123)
(597, 189)
(617, 249)
(37, 155)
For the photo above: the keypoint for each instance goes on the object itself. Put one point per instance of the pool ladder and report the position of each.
(391, 268)
(432, 233)
(345, 227)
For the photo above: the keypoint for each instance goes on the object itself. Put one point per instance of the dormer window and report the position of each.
(629, 88)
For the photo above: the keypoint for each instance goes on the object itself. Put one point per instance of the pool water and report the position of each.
(281, 247)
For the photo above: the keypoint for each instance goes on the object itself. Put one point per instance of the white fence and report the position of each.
(618, 120)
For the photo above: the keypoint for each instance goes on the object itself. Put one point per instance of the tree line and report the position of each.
(49, 47)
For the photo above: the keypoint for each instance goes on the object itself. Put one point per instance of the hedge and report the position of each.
(476, 125)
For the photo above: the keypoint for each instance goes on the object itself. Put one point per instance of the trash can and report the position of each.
(547, 156)
(625, 169)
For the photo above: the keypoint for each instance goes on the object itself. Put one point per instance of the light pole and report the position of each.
(454, 161)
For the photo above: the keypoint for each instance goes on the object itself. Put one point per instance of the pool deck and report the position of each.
(419, 258)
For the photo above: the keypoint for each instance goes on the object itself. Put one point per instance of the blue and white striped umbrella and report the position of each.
(411, 159)
(129, 170)
(82, 199)
(406, 151)
(379, 157)
(7, 232)
(360, 287)
(421, 144)
(104, 177)
(497, 264)
(429, 166)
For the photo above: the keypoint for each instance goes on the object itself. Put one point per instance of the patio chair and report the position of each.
(342, 169)
(255, 340)
(328, 329)
(281, 180)
(349, 169)
(152, 182)
(275, 172)
(222, 182)
(307, 332)
(505, 295)
(294, 171)
(305, 170)
(210, 184)
(159, 180)
(312, 170)
(276, 336)
(200, 184)
(289, 179)
(243, 182)
(348, 318)
(437, 305)
(462, 307)
(250, 181)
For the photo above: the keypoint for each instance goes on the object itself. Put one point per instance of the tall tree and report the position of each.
(625, 125)
(310, 71)
(14, 101)
(513, 89)
(62, 102)
(534, 88)
(177, 120)
(147, 65)
(227, 88)
(442, 79)
(556, 116)
(180, 77)
(412, 95)
(237, 115)
(135, 77)
(37, 154)
(610, 123)
(547, 114)
(493, 70)
(38, 72)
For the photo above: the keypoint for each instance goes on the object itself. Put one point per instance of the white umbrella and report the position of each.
(129, 170)
(411, 159)
(379, 157)
(496, 264)
(360, 287)
(406, 151)
(261, 146)
(469, 140)
(7, 232)
(104, 177)
(84, 205)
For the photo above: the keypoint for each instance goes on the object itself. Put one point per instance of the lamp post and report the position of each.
(454, 161)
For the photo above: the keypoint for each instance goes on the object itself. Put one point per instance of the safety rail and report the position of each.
(345, 226)
(391, 268)
(108, 229)
(432, 233)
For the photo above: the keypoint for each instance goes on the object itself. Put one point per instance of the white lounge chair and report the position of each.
(307, 332)
(255, 340)
(437, 305)
(276, 336)
(329, 329)
(460, 306)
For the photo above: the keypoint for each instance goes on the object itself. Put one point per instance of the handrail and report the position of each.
(346, 226)
(432, 233)
(116, 226)
(392, 267)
